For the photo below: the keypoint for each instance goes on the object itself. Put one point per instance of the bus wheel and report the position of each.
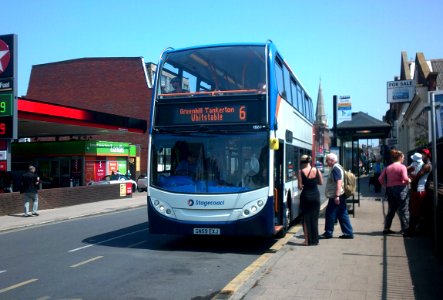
(286, 222)
(287, 216)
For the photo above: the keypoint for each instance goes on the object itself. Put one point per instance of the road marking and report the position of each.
(136, 244)
(105, 241)
(18, 285)
(81, 248)
(241, 278)
(86, 261)
(2, 271)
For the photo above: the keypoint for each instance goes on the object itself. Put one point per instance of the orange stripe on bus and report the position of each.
(275, 200)
(278, 106)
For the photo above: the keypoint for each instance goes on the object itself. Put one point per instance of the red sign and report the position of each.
(89, 172)
(95, 170)
(3, 165)
(113, 166)
(5, 56)
(100, 169)
(128, 188)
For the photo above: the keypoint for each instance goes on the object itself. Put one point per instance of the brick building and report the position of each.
(118, 85)
(410, 119)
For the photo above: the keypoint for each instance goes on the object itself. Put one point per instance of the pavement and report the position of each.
(370, 266)
(17, 221)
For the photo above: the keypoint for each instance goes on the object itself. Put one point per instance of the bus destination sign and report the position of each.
(209, 113)
(232, 113)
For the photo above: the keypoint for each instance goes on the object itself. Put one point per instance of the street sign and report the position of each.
(8, 86)
(438, 104)
(7, 56)
(344, 109)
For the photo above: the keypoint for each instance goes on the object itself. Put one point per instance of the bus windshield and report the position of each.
(209, 163)
(213, 71)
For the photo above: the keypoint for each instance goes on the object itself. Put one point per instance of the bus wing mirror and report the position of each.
(273, 144)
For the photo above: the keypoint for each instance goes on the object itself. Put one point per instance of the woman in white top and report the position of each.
(418, 194)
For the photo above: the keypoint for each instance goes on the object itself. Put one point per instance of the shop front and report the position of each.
(75, 162)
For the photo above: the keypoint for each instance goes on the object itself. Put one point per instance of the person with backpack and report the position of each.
(395, 177)
(336, 208)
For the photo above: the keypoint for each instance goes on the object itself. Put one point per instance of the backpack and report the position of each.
(349, 182)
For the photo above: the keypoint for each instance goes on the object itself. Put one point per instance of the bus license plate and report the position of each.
(207, 231)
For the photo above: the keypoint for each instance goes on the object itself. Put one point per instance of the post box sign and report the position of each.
(400, 91)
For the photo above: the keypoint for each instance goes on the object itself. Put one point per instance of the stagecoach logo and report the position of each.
(5, 56)
(205, 203)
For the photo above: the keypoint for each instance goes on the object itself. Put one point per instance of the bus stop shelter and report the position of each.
(361, 126)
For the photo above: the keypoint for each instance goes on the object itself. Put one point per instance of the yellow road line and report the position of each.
(18, 285)
(239, 280)
(86, 261)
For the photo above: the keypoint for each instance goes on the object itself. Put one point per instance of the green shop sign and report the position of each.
(72, 148)
(102, 148)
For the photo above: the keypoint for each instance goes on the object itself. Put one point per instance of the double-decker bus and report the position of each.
(229, 123)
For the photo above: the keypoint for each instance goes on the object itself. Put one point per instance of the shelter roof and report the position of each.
(363, 126)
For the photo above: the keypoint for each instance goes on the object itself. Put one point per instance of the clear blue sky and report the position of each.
(353, 46)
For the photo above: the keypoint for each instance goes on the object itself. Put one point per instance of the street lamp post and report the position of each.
(334, 128)
(434, 165)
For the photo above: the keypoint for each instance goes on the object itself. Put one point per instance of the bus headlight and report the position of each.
(252, 208)
(162, 208)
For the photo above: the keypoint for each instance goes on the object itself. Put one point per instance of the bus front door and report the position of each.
(279, 206)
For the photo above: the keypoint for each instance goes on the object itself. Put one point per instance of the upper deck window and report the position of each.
(213, 71)
(279, 77)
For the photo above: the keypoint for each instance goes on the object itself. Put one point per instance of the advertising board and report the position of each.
(400, 91)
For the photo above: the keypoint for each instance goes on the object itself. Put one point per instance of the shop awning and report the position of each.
(43, 119)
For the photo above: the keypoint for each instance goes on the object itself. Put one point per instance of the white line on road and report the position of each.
(18, 285)
(136, 244)
(86, 261)
(105, 241)
(80, 248)
(2, 271)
